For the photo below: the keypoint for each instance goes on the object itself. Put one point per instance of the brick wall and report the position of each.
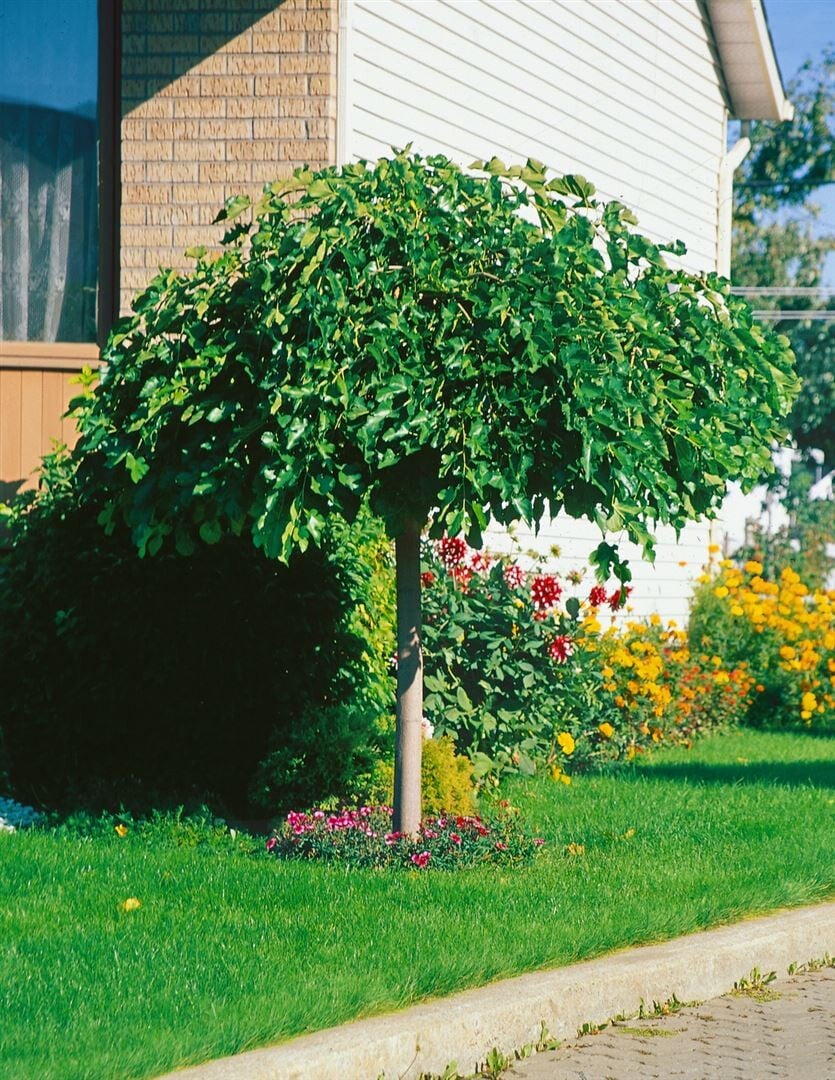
(218, 97)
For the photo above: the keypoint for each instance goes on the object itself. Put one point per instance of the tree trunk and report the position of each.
(409, 733)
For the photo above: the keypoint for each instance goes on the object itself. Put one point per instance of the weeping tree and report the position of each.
(449, 347)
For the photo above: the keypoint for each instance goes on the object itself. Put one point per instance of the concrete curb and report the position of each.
(508, 1014)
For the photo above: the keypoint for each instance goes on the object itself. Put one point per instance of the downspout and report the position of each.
(344, 58)
(730, 163)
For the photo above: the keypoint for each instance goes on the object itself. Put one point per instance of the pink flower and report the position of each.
(272, 843)
(538, 841)
(455, 838)
(560, 648)
(391, 838)
(421, 860)
(500, 846)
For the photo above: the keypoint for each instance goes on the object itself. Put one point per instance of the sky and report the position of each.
(800, 29)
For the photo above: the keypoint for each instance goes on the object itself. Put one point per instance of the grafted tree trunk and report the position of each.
(408, 735)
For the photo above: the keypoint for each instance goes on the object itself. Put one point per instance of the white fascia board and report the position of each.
(749, 65)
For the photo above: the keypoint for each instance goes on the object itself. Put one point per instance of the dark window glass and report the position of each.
(48, 170)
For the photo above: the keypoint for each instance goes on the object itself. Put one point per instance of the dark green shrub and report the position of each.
(141, 681)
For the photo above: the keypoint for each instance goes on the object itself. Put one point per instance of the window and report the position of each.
(51, 171)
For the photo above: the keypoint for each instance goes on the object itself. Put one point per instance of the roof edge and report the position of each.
(749, 63)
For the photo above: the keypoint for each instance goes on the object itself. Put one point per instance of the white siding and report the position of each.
(624, 92)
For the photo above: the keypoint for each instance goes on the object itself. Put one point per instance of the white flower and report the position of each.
(426, 728)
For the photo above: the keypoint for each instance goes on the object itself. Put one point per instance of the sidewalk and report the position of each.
(786, 1031)
(508, 1015)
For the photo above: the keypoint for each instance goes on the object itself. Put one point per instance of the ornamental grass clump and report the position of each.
(365, 837)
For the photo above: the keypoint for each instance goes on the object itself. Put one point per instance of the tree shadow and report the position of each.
(819, 774)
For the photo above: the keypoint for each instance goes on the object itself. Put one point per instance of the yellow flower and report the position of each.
(629, 834)
(608, 672)
(752, 567)
(808, 702)
(576, 849)
(787, 652)
(721, 591)
(131, 904)
(606, 730)
(120, 830)
(737, 610)
(566, 742)
(713, 548)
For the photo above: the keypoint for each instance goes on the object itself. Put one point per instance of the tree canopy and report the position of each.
(452, 346)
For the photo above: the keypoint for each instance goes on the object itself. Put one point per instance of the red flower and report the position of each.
(427, 578)
(462, 576)
(619, 597)
(560, 648)
(481, 561)
(545, 592)
(514, 576)
(451, 550)
(597, 596)
(421, 860)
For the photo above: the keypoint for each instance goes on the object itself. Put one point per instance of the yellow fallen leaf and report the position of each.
(120, 830)
(131, 904)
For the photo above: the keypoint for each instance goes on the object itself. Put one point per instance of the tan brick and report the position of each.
(304, 150)
(133, 127)
(216, 64)
(134, 89)
(174, 44)
(225, 129)
(279, 129)
(176, 171)
(213, 194)
(323, 84)
(200, 107)
(317, 5)
(224, 172)
(156, 107)
(133, 279)
(171, 128)
(187, 22)
(321, 42)
(197, 150)
(187, 236)
(147, 236)
(250, 64)
(146, 193)
(285, 42)
(263, 150)
(160, 22)
(134, 215)
(267, 171)
(306, 20)
(185, 86)
(130, 257)
(226, 85)
(134, 151)
(302, 63)
(319, 129)
(134, 44)
(210, 43)
(133, 172)
(161, 215)
(280, 85)
(159, 150)
(147, 65)
(251, 106)
(165, 258)
(306, 106)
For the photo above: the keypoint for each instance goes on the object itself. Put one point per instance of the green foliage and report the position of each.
(436, 342)
(446, 780)
(363, 838)
(491, 679)
(780, 241)
(161, 681)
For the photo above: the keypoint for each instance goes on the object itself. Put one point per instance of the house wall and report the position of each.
(219, 97)
(628, 95)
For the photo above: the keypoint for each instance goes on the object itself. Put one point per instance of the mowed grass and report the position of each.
(230, 952)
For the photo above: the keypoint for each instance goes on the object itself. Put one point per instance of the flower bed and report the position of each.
(364, 837)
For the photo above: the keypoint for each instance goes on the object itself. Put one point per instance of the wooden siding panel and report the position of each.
(10, 417)
(31, 418)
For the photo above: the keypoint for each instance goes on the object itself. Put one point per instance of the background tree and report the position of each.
(781, 241)
(448, 347)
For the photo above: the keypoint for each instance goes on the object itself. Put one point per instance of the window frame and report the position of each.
(69, 355)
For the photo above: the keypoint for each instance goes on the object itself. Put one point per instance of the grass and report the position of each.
(228, 952)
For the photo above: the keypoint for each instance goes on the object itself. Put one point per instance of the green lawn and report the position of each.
(228, 952)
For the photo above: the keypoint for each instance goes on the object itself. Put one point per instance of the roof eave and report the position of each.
(749, 64)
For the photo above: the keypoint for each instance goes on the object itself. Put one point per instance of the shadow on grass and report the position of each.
(820, 774)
